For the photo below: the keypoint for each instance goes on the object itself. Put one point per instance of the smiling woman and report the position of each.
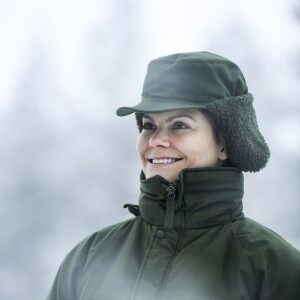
(189, 238)
(172, 141)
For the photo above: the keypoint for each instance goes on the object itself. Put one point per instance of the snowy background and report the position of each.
(68, 164)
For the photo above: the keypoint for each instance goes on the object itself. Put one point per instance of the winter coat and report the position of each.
(189, 240)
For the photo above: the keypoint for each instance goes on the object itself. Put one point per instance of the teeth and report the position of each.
(163, 160)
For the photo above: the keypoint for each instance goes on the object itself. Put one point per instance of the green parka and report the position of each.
(189, 240)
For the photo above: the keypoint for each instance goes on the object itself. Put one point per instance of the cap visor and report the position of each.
(155, 106)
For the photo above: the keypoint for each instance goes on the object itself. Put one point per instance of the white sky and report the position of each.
(167, 26)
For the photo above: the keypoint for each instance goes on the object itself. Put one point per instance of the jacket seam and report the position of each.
(92, 240)
(142, 268)
(244, 251)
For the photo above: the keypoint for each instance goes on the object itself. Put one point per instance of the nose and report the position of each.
(159, 139)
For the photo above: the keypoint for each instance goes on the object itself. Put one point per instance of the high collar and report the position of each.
(203, 198)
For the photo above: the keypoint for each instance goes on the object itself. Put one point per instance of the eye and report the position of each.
(149, 126)
(180, 125)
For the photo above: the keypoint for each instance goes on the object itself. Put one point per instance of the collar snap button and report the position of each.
(159, 234)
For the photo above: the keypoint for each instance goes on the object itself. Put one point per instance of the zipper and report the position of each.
(171, 194)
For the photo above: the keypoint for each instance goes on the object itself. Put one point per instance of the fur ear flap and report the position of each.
(245, 145)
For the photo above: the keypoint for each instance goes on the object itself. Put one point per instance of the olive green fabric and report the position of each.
(211, 251)
(203, 80)
(188, 80)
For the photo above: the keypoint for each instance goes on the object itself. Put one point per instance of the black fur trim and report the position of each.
(246, 147)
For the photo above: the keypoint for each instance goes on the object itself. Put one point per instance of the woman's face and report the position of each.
(175, 140)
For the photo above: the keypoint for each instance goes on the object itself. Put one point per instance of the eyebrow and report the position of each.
(170, 119)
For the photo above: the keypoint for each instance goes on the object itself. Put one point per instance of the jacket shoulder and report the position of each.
(82, 249)
(69, 273)
(255, 237)
(275, 262)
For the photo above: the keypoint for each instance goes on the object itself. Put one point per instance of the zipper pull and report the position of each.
(171, 194)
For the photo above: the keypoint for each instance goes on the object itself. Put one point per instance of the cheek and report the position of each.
(201, 150)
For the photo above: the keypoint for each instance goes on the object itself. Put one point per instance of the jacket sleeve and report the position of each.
(275, 262)
(69, 273)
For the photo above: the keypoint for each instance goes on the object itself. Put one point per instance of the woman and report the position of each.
(189, 238)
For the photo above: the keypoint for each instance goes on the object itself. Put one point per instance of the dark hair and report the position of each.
(139, 121)
(209, 116)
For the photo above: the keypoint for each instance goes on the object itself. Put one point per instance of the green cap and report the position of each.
(188, 80)
(203, 80)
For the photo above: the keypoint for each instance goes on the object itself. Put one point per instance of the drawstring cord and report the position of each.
(134, 209)
(171, 190)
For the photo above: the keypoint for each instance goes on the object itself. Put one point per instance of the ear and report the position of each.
(223, 153)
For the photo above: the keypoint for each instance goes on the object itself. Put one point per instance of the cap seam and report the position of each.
(183, 96)
(161, 78)
(229, 64)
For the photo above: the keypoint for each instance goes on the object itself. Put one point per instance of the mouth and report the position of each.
(164, 160)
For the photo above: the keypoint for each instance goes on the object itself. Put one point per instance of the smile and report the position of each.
(163, 160)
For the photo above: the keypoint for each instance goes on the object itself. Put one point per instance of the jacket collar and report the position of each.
(203, 198)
